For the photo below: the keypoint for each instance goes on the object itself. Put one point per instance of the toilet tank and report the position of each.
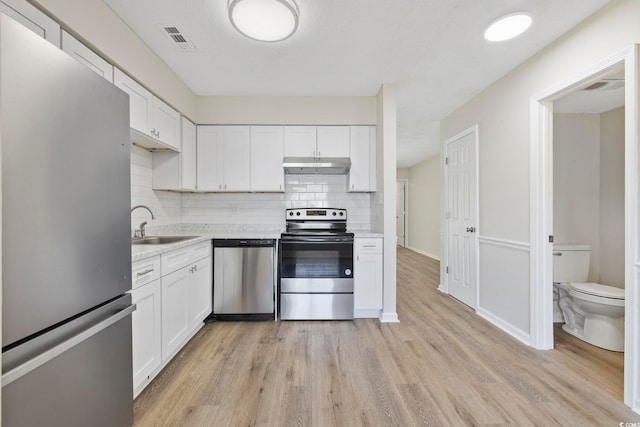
(571, 263)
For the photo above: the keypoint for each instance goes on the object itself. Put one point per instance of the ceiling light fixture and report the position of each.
(264, 20)
(508, 27)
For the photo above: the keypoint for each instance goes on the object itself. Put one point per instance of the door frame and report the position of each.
(406, 210)
(444, 285)
(541, 193)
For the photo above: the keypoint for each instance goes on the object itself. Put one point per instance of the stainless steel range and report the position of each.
(316, 265)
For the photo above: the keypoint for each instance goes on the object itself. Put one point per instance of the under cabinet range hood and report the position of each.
(313, 166)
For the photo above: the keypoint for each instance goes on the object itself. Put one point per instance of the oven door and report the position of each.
(316, 265)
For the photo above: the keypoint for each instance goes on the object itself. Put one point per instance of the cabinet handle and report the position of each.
(353, 186)
(358, 258)
(219, 186)
(225, 186)
(158, 133)
(368, 246)
(144, 272)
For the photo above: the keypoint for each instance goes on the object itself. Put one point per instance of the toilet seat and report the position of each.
(598, 290)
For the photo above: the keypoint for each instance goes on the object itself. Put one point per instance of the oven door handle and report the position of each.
(308, 239)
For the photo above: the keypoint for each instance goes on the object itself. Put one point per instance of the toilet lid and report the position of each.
(599, 290)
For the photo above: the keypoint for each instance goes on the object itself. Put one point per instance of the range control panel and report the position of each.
(323, 214)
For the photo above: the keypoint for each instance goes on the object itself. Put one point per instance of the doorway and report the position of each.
(542, 229)
(461, 217)
(401, 212)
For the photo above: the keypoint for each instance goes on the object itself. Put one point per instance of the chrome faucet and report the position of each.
(140, 233)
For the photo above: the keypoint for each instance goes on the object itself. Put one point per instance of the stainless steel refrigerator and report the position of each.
(66, 254)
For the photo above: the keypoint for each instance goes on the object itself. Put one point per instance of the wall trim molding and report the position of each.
(389, 317)
(367, 313)
(511, 244)
(425, 253)
(505, 326)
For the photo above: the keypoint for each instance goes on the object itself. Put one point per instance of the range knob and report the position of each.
(290, 213)
(334, 214)
(341, 213)
(298, 213)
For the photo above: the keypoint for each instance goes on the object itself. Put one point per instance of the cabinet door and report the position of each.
(175, 311)
(267, 145)
(33, 19)
(200, 288)
(140, 102)
(166, 124)
(146, 321)
(333, 141)
(86, 56)
(209, 158)
(360, 151)
(237, 158)
(300, 141)
(367, 277)
(188, 155)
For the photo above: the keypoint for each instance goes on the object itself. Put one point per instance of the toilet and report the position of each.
(592, 312)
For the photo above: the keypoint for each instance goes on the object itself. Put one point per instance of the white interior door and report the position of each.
(400, 213)
(461, 219)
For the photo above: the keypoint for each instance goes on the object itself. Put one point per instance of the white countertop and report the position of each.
(204, 233)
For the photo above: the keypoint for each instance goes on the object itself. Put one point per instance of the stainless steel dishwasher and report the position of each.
(243, 279)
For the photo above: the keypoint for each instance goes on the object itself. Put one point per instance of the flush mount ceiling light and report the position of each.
(264, 20)
(508, 27)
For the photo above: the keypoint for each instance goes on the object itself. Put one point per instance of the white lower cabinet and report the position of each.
(146, 321)
(171, 309)
(367, 276)
(175, 311)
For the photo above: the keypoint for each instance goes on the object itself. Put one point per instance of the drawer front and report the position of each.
(145, 271)
(200, 250)
(175, 260)
(367, 246)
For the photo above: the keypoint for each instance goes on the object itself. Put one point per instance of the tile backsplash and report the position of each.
(243, 208)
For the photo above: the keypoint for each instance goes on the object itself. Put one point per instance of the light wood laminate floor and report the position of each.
(441, 365)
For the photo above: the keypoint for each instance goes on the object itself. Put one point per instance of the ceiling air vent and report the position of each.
(607, 84)
(179, 38)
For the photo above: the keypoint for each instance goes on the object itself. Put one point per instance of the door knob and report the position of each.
(471, 229)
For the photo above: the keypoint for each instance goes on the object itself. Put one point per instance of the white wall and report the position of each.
(242, 208)
(612, 198)
(166, 206)
(424, 207)
(268, 209)
(576, 183)
(402, 173)
(502, 113)
(383, 201)
(274, 110)
(588, 198)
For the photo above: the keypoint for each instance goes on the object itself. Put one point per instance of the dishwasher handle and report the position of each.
(241, 243)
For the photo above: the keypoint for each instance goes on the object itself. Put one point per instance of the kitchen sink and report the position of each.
(160, 240)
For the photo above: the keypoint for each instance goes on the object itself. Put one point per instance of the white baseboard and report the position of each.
(421, 252)
(442, 289)
(367, 313)
(386, 317)
(507, 327)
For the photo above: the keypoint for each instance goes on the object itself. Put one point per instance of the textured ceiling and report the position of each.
(432, 50)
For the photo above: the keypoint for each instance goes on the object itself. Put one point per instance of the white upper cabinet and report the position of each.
(316, 141)
(267, 151)
(333, 141)
(177, 171)
(300, 141)
(362, 175)
(32, 18)
(154, 124)
(224, 158)
(209, 159)
(86, 56)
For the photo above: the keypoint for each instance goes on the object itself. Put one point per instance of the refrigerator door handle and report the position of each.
(48, 355)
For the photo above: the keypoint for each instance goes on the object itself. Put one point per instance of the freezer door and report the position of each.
(65, 185)
(76, 375)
